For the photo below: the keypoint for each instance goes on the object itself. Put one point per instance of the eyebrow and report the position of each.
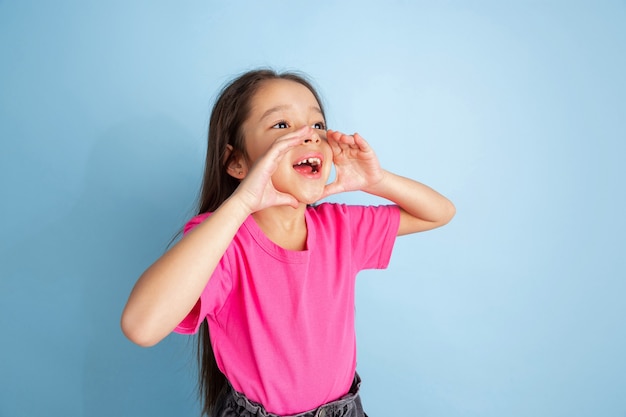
(286, 107)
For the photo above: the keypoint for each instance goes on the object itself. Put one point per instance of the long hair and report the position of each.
(230, 111)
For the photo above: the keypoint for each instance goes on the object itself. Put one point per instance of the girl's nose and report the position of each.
(314, 138)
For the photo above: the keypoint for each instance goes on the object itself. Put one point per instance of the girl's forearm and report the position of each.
(422, 207)
(169, 288)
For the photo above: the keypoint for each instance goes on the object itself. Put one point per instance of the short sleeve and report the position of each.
(374, 230)
(191, 323)
(216, 288)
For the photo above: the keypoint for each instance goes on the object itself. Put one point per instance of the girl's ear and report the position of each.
(235, 162)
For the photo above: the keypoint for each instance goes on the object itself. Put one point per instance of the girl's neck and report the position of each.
(284, 225)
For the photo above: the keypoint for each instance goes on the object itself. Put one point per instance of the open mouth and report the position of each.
(308, 166)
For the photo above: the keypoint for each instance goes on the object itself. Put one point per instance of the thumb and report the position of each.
(330, 189)
(284, 199)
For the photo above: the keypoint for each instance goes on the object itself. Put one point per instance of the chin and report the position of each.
(310, 199)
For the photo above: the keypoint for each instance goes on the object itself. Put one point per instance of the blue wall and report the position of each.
(515, 111)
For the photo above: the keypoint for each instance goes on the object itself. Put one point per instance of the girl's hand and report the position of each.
(256, 190)
(356, 164)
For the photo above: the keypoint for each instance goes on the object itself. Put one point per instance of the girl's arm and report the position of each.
(357, 167)
(422, 208)
(168, 290)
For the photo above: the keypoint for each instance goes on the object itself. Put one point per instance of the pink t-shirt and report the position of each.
(281, 321)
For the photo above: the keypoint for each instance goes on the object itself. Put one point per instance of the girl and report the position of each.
(271, 275)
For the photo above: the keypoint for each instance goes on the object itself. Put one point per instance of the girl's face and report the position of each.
(278, 108)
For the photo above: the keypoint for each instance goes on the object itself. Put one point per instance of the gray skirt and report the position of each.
(235, 404)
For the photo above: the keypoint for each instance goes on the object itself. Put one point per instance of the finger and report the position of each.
(360, 142)
(330, 189)
(295, 136)
(343, 138)
(283, 199)
(338, 136)
(333, 136)
(333, 140)
(291, 140)
(347, 139)
(355, 142)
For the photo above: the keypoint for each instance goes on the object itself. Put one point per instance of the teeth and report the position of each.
(310, 161)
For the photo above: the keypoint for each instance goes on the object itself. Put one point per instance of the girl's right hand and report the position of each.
(256, 190)
(170, 287)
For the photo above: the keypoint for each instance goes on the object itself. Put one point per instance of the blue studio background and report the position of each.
(514, 110)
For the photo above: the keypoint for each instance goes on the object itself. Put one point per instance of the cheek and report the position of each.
(254, 147)
(328, 166)
(328, 154)
(257, 144)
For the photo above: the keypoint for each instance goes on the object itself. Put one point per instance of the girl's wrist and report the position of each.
(236, 206)
(378, 188)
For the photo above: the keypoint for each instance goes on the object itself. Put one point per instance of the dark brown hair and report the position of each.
(230, 111)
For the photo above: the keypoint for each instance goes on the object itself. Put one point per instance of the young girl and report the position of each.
(269, 273)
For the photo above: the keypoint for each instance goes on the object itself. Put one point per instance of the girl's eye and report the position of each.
(280, 125)
(319, 125)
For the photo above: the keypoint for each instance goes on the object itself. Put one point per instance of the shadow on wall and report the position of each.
(67, 286)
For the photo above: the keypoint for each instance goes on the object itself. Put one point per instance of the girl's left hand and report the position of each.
(356, 164)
